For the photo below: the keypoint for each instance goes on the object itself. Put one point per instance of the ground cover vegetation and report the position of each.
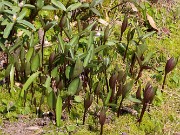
(94, 67)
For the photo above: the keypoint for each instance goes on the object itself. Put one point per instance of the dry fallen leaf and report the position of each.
(151, 22)
(133, 7)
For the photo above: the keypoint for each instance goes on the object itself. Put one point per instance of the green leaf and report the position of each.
(147, 58)
(12, 77)
(18, 43)
(2, 46)
(9, 4)
(35, 63)
(47, 84)
(95, 2)
(7, 30)
(26, 23)
(74, 40)
(100, 48)
(74, 6)
(67, 72)
(58, 110)
(51, 100)
(87, 59)
(29, 6)
(78, 99)
(94, 10)
(58, 4)
(135, 100)
(28, 68)
(73, 86)
(29, 82)
(54, 72)
(78, 68)
(108, 97)
(22, 14)
(49, 7)
(90, 26)
(8, 69)
(126, 88)
(49, 25)
(147, 34)
(90, 41)
(40, 4)
(29, 54)
(61, 44)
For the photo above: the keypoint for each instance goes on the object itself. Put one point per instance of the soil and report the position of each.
(24, 126)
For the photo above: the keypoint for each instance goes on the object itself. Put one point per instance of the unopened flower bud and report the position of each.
(148, 93)
(21, 4)
(171, 63)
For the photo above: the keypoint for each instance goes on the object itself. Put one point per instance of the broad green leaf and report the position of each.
(71, 52)
(40, 4)
(147, 34)
(48, 82)
(74, 40)
(95, 3)
(29, 82)
(31, 40)
(29, 6)
(54, 72)
(58, 110)
(90, 41)
(135, 100)
(126, 88)
(67, 72)
(7, 30)
(18, 43)
(29, 54)
(78, 68)
(61, 44)
(8, 69)
(49, 7)
(87, 59)
(147, 58)
(108, 97)
(22, 54)
(5, 22)
(94, 10)
(9, 4)
(35, 63)
(100, 48)
(49, 25)
(26, 23)
(2, 46)
(51, 100)
(27, 68)
(90, 26)
(22, 14)
(73, 86)
(58, 4)
(78, 99)
(9, 12)
(74, 6)
(12, 77)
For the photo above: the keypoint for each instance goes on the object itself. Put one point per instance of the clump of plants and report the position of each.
(72, 56)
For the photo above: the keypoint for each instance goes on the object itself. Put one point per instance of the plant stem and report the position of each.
(118, 112)
(84, 116)
(142, 112)
(125, 52)
(139, 74)
(106, 80)
(101, 130)
(164, 80)
(42, 47)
